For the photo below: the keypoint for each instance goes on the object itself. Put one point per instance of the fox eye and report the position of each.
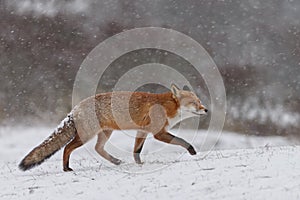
(193, 103)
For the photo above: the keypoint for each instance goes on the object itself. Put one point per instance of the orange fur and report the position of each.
(105, 112)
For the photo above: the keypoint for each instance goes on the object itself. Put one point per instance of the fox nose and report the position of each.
(205, 110)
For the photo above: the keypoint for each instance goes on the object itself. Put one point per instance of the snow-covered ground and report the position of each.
(238, 167)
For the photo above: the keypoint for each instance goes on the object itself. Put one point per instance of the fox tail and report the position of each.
(63, 134)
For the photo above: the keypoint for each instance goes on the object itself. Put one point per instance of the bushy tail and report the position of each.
(59, 138)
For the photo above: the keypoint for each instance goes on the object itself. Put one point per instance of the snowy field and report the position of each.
(239, 167)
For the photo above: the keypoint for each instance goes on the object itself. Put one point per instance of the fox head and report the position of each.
(190, 104)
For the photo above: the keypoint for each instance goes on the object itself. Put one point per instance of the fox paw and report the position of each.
(139, 162)
(68, 169)
(192, 150)
(116, 161)
(137, 159)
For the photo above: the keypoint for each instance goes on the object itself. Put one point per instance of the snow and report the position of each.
(277, 114)
(66, 120)
(239, 167)
(50, 8)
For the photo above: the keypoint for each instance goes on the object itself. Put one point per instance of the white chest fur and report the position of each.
(178, 118)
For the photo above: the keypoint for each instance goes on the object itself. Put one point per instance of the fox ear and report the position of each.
(175, 90)
(186, 88)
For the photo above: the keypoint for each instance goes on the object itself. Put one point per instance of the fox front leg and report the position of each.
(138, 146)
(166, 137)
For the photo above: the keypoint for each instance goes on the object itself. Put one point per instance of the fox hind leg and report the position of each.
(138, 146)
(74, 144)
(102, 139)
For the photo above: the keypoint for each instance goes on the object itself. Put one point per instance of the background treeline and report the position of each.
(255, 44)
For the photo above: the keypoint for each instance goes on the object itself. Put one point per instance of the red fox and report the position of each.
(147, 112)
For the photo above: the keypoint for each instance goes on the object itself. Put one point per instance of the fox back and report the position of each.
(105, 112)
